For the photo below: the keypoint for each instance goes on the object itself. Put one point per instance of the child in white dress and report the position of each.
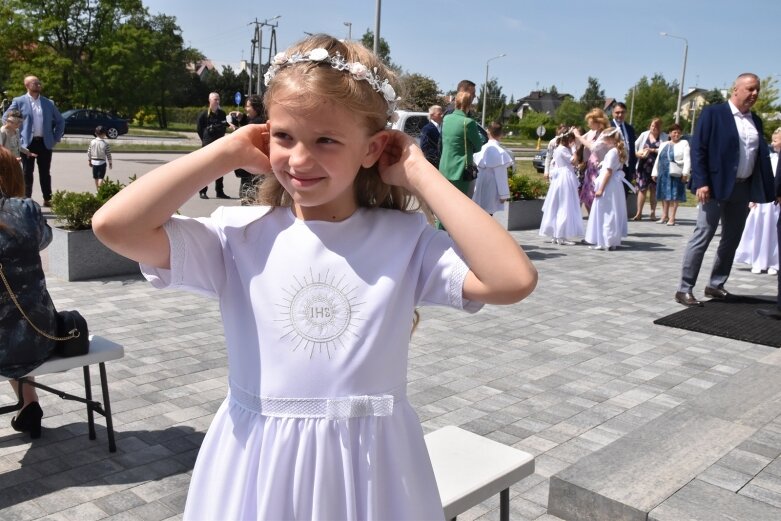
(492, 188)
(759, 244)
(607, 222)
(318, 290)
(562, 219)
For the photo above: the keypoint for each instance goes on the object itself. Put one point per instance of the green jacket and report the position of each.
(453, 160)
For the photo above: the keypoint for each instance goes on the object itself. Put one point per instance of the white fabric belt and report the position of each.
(340, 408)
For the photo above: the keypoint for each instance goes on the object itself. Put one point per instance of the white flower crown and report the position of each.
(357, 70)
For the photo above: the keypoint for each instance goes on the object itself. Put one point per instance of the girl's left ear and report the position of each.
(376, 145)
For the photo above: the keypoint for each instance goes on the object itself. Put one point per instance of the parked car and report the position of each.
(84, 121)
(410, 122)
(539, 160)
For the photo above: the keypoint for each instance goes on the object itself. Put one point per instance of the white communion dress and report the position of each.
(607, 222)
(759, 243)
(318, 317)
(561, 217)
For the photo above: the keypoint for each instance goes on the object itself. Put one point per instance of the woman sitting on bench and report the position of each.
(23, 234)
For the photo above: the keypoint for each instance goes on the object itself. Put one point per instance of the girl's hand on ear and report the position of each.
(250, 148)
(401, 160)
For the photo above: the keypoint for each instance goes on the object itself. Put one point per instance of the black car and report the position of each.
(84, 121)
(539, 160)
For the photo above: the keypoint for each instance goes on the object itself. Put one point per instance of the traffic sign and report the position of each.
(540, 131)
(237, 98)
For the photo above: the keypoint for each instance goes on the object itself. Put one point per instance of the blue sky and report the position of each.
(552, 42)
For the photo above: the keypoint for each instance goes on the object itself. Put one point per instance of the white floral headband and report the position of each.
(357, 70)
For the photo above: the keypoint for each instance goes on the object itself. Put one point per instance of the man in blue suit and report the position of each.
(42, 128)
(430, 135)
(730, 168)
(628, 135)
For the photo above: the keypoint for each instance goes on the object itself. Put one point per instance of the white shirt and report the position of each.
(37, 116)
(749, 141)
(622, 128)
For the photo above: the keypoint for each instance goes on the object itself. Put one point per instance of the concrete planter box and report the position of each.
(524, 215)
(79, 255)
(631, 205)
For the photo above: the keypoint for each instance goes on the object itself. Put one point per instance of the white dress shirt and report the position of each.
(749, 141)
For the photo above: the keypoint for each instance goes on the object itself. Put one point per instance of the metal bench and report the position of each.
(470, 468)
(101, 350)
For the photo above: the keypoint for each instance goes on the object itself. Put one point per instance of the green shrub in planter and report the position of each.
(523, 187)
(75, 209)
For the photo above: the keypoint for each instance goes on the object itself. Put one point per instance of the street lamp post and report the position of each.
(683, 72)
(349, 30)
(485, 85)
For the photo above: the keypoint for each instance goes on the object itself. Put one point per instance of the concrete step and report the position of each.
(631, 477)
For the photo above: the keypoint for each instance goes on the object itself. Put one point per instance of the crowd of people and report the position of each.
(321, 279)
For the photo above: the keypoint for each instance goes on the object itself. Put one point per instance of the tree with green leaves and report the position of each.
(571, 113)
(653, 98)
(383, 49)
(495, 100)
(714, 96)
(594, 95)
(417, 92)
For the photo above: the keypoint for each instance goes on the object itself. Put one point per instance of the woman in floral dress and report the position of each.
(646, 149)
(594, 151)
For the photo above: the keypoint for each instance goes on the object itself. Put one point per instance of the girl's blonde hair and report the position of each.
(305, 85)
(615, 135)
(599, 116)
(463, 100)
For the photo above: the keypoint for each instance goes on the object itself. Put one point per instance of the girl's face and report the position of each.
(13, 123)
(775, 142)
(316, 156)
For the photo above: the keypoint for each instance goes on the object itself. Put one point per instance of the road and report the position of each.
(71, 172)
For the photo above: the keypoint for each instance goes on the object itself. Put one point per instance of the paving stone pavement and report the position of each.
(574, 367)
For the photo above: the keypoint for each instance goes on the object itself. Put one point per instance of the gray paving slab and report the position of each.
(576, 367)
(700, 501)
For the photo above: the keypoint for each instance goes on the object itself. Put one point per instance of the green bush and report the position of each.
(527, 187)
(75, 209)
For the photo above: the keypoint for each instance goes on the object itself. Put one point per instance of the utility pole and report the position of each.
(257, 46)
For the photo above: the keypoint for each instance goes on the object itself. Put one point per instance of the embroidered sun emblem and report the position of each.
(319, 314)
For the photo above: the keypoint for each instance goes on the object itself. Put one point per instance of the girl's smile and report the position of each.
(316, 155)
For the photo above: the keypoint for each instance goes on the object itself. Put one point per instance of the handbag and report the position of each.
(72, 334)
(470, 170)
(674, 168)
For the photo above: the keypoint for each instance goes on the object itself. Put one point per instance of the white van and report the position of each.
(410, 122)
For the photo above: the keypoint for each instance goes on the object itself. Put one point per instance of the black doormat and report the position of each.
(733, 318)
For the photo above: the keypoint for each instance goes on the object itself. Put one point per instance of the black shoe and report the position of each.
(222, 195)
(687, 299)
(717, 293)
(203, 195)
(29, 420)
(774, 314)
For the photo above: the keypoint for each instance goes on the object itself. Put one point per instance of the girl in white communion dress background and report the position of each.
(607, 222)
(492, 188)
(759, 244)
(562, 219)
(318, 289)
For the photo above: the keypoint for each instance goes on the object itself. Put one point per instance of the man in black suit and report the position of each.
(628, 135)
(730, 168)
(430, 134)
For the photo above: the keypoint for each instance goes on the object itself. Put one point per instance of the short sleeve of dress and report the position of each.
(197, 260)
(442, 273)
(612, 161)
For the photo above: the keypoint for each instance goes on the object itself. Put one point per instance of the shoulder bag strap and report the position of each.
(466, 149)
(74, 333)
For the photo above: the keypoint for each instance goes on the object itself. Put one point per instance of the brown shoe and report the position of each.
(687, 299)
(47, 203)
(717, 293)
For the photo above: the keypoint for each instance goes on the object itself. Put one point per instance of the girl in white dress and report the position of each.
(492, 188)
(607, 222)
(562, 219)
(318, 291)
(759, 244)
